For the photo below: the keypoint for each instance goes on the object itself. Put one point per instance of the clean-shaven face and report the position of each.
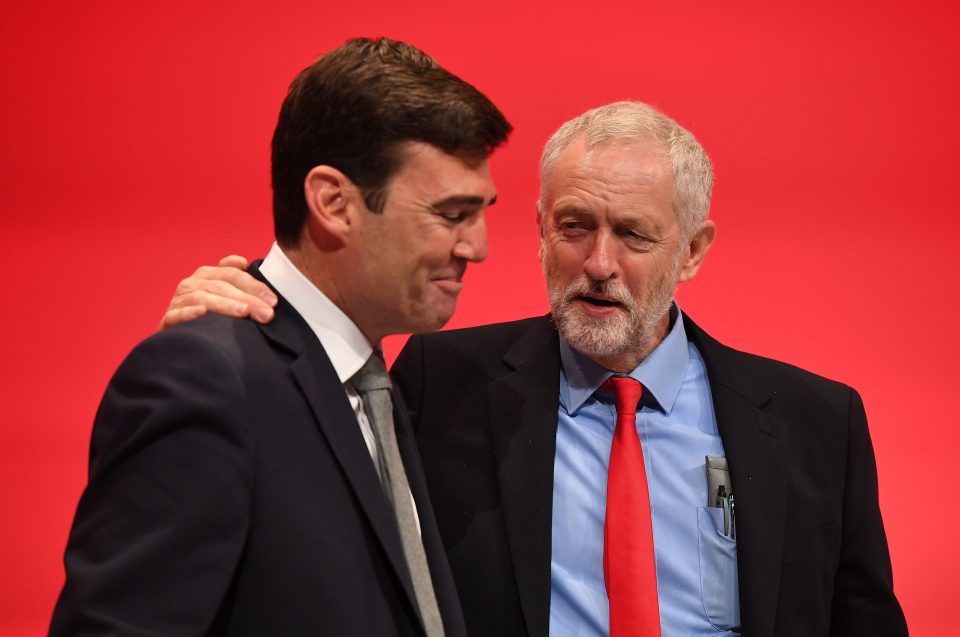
(414, 254)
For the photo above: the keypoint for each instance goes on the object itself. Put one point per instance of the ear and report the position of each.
(543, 248)
(697, 250)
(329, 196)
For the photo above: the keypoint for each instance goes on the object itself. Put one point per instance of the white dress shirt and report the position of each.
(344, 343)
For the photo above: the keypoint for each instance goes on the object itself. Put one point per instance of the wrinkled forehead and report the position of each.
(627, 159)
(616, 164)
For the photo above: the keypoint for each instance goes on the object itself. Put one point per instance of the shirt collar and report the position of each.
(661, 372)
(343, 341)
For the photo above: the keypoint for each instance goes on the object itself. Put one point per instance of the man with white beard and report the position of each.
(558, 520)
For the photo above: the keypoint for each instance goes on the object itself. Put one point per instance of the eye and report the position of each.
(636, 239)
(453, 216)
(572, 227)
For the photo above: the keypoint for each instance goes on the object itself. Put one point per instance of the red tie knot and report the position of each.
(628, 392)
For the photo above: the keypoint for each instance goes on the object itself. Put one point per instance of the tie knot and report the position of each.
(627, 391)
(373, 375)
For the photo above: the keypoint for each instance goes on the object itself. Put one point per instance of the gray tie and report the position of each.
(374, 386)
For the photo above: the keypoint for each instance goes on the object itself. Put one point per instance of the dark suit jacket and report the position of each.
(231, 493)
(812, 555)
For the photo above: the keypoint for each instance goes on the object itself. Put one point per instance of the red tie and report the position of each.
(629, 568)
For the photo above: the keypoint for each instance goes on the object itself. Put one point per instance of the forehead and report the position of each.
(428, 172)
(623, 174)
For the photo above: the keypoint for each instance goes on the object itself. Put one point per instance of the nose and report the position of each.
(471, 243)
(601, 263)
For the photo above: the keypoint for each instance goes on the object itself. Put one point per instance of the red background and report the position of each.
(134, 147)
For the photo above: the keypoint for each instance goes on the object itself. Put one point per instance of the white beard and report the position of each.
(631, 328)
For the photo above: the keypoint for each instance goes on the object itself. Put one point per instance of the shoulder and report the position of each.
(463, 359)
(504, 334)
(211, 331)
(487, 341)
(211, 341)
(766, 380)
(485, 346)
(176, 391)
(195, 362)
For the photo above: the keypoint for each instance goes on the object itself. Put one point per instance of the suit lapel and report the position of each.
(323, 391)
(523, 420)
(754, 445)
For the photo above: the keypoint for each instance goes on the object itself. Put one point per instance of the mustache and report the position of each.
(611, 289)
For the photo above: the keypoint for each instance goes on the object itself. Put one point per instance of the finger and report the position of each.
(213, 302)
(234, 261)
(227, 290)
(225, 299)
(261, 314)
(181, 315)
(239, 307)
(231, 276)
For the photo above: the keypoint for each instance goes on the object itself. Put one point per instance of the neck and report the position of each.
(318, 271)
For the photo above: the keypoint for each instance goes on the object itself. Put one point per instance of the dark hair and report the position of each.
(354, 107)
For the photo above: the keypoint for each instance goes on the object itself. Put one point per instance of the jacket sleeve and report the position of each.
(161, 524)
(863, 603)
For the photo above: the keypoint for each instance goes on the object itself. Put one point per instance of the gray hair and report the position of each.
(692, 170)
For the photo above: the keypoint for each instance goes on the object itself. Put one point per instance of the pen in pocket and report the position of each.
(725, 502)
(733, 519)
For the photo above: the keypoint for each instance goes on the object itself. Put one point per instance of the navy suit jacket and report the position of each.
(231, 493)
(812, 555)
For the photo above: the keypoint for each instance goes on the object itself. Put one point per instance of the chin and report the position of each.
(592, 335)
(599, 344)
(426, 323)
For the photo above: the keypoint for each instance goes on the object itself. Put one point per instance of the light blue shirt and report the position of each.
(696, 562)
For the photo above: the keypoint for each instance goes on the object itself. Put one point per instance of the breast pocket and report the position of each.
(719, 588)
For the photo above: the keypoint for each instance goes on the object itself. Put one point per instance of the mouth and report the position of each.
(598, 305)
(599, 301)
(450, 284)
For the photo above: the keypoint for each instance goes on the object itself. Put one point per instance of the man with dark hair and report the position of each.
(610, 469)
(252, 479)
(374, 95)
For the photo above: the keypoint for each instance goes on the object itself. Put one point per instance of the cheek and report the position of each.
(565, 260)
(639, 278)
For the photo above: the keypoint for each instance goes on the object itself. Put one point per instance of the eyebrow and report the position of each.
(464, 200)
(573, 209)
(628, 223)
